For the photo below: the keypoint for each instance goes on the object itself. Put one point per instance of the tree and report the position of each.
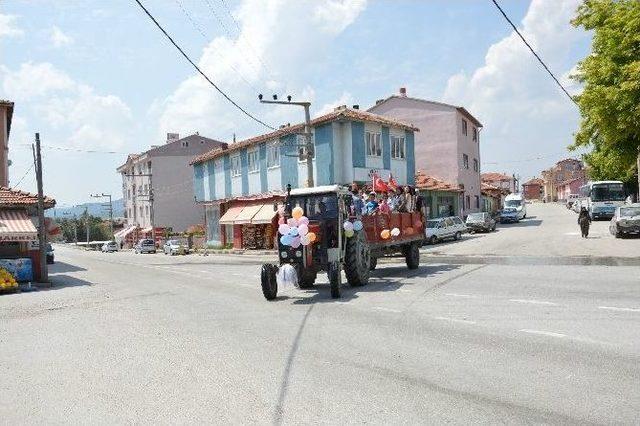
(610, 101)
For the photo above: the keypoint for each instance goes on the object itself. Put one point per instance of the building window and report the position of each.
(253, 160)
(465, 161)
(474, 134)
(185, 144)
(141, 211)
(236, 167)
(273, 155)
(464, 127)
(477, 201)
(374, 144)
(397, 147)
(467, 202)
(146, 211)
(476, 168)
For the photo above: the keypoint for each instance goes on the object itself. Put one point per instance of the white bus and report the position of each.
(602, 197)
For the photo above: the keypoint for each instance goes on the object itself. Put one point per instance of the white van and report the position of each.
(516, 203)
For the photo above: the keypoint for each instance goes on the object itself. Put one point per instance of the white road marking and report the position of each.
(615, 308)
(459, 295)
(571, 233)
(533, 302)
(543, 333)
(455, 320)
(380, 308)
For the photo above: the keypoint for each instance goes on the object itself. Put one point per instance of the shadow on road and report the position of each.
(523, 223)
(59, 267)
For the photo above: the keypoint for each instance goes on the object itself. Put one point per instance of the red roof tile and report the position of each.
(346, 113)
(495, 177)
(14, 197)
(534, 181)
(431, 183)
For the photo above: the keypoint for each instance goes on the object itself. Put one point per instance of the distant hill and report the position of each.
(94, 209)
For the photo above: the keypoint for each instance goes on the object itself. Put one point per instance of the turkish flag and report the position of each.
(392, 184)
(378, 184)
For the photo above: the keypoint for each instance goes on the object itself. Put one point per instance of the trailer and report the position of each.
(338, 240)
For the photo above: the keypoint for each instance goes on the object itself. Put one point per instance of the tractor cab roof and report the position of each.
(335, 189)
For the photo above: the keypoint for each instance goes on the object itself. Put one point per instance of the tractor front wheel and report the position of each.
(357, 260)
(268, 281)
(412, 255)
(306, 278)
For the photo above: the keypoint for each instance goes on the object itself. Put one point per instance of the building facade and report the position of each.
(563, 171)
(533, 189)
(6, 115)
(442, 199)
(500, 180)
(157, 184)
(447, 146)
(350, 146)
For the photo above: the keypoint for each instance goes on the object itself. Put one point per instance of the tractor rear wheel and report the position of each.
(268, 281)
(412, 255)
(334, 280)
(306, 278)
(373, 262)
(357, 260)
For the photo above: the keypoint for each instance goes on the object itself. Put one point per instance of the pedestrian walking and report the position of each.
(584, 220)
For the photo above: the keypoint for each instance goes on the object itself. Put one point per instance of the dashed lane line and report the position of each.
(460, 295)
(380, 308)
(616, 308)
(533, 302)
(543, 333)
(455, 320)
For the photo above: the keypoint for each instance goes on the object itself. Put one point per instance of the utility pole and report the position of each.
(42, 234)
(86, 218)
(308, 145)
(103, 195)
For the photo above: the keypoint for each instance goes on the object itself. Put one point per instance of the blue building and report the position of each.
(239, 184)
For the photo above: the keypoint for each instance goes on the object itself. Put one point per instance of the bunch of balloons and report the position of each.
(350, 228)
(296, 231)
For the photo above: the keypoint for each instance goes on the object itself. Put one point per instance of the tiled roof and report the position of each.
(495, 177)
(339, 113)
(534, 181)
(431, 183)
(13, 197)
(486, 189)
(460, 109)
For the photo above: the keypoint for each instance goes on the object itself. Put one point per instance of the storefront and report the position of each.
(442, 199)
(247, 223)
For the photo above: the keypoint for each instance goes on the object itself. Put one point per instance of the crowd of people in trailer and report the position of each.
(401, 199)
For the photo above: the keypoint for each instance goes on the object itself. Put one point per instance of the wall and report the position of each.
(4, 147)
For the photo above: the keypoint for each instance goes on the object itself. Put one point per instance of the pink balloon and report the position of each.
(292, 222)
(303, 229)
(304, 240)
(303, 220)
(284, 229)
(281, 221)
(296, 242)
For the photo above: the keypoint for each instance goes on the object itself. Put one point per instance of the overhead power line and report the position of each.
(234, 103)
(23, 176)
(534, 52)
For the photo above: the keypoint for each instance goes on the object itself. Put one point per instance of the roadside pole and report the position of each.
(86, 218)
(308, 145)
(103, 195)
(42, 234)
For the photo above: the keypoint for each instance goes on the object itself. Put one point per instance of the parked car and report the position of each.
(145, 246)
(441, 229)
(50, 256)
(509, 215)
(109, 247)
(172, 247)
(626, 220)
(480, 222)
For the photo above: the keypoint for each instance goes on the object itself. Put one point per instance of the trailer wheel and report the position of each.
(268, 281)
(334, 280)
(373, 262)
(412, 256)
(356, 260)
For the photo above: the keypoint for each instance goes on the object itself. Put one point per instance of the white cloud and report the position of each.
(8, 27)
(273, 33)
(522, 109)
(344, 99)
(60, 39)
(76, 114)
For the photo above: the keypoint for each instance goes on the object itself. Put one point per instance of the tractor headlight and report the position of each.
(298, 253)
(283, 254)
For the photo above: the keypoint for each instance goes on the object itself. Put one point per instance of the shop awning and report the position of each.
(247, 213)
(264, 215)
(229, 216)
(121, 234)
(15, 225)
(147, 230)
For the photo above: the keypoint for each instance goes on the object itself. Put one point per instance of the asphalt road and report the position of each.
(126, 338)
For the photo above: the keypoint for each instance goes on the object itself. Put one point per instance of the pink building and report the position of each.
(571, 186)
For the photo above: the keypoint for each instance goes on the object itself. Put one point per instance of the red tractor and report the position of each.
(335, 249)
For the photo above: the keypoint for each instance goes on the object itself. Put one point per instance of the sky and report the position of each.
(99, 76)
